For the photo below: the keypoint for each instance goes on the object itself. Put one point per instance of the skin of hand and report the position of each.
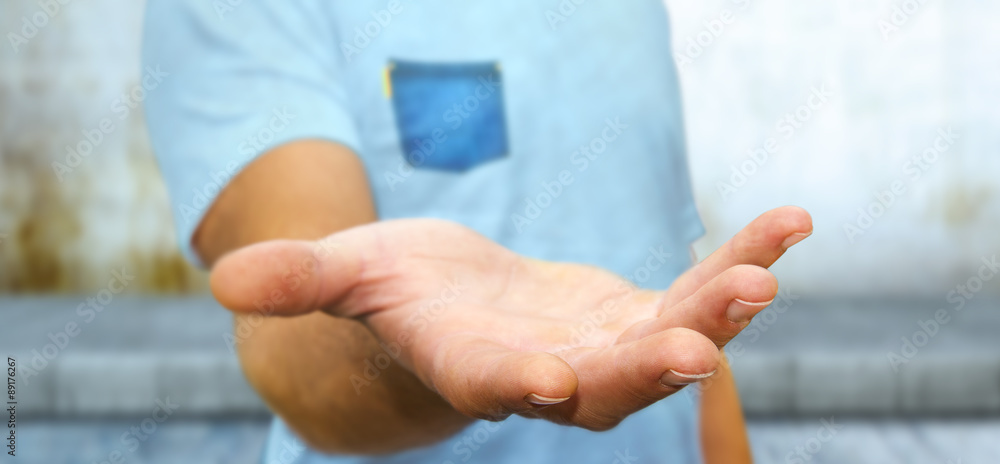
(302, 366)
(492, 331)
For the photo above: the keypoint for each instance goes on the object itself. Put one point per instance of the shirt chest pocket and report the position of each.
(449, 116)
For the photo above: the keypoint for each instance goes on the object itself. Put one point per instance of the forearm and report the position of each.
(302, 366)
(723, 428)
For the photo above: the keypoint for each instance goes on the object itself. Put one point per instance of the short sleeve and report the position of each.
(228, 83)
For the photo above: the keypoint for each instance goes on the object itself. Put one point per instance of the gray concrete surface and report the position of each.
(134, 351)
(851, 442)
(855, 441)
(815, 358)
(832, 356)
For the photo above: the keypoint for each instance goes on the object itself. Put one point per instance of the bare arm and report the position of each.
(300, 366)
(723, 430)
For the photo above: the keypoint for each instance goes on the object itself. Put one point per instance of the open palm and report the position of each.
(496, 333)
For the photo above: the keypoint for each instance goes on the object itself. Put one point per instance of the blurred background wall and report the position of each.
(66, 227)
(882, 106)
(892, 89)
(889, 91)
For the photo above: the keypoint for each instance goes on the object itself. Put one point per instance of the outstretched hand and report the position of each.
(496, 333)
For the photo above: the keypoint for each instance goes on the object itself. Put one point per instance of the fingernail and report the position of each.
(673, 378)
(539, 400)
(740, 311)
(794, 238)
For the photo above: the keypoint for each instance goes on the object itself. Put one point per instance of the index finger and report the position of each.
(760, 243)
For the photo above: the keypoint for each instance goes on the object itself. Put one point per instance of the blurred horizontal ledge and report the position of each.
(89, 385)
(120, 357)
(871, 357)
(801, 357)
(810, 385)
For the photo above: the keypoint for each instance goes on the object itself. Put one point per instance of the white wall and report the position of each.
(890, 98)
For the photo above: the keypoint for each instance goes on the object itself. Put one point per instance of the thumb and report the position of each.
(289, 277)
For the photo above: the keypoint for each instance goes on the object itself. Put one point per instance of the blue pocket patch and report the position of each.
(450, 116)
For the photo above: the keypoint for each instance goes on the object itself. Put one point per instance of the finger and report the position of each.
(618, 381)
(290, 277)
(487, 381)
(719, 309)
(760, 243)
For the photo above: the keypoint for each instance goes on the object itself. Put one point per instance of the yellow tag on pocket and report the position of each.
(387, 80)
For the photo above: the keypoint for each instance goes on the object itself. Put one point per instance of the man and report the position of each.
(296, 139)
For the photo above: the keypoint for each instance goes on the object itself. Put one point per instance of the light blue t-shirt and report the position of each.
(550, 126)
